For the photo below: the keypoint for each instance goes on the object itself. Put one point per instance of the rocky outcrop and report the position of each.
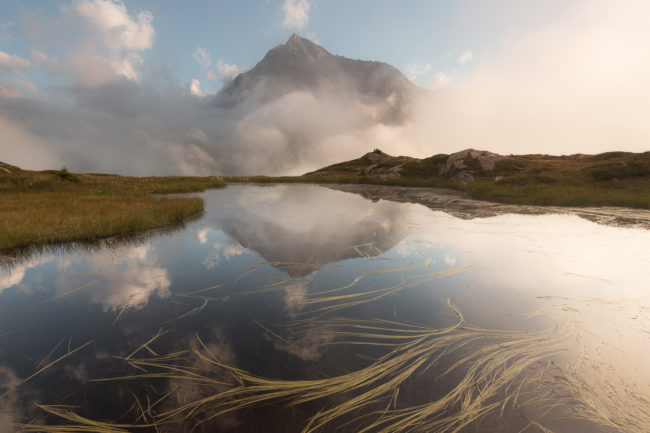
(385, 166)
(463, 165)
(6, 168)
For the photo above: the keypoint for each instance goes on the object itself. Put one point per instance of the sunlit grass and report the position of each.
(608, 179)
(44, 208)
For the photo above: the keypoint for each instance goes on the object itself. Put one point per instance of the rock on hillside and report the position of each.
(375, 165)
(8, 169)
(462, 166)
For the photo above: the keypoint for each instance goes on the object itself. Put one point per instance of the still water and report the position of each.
(306, 308)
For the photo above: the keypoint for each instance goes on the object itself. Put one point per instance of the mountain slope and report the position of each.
(606, 179)
(301, 65)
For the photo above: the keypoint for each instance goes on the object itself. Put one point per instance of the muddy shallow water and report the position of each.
(291, 307)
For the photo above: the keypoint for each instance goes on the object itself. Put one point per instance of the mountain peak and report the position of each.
(302, 65)
(299, 46)
(293, 39)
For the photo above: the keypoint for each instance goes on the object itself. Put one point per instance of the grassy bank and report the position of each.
(57, 206)
(608, 179)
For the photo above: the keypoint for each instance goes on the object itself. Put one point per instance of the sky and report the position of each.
(421, 39)
(122, 85)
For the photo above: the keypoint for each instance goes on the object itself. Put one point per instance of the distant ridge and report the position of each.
(610, 169)
(302, 65)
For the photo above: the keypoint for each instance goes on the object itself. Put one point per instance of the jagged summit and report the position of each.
(296, 39)
(302, 65)
(299, 46)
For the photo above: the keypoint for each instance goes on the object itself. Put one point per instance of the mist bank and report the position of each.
(134, 129)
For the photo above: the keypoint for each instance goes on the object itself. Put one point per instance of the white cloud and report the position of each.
(415, 70)
(225, 251)
(296, 14)
(15, 275)
(115, 28)
(202, 57)
(129, 278)
(195, 87)
(113, 33)
(8, 61)
(221, 68)
(466, 57)
(224, 70)
(100, 41)
(202, 235)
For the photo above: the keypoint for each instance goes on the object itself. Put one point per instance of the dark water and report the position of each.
(291, 303)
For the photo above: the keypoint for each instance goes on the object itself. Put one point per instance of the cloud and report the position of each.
(221, 69)
(130, 277)
(92, 129)
(100, 40)
(7, 91)
(415, 70)
(466, 57)
(195, 87)
(10, 405)
(449, 259)
(203, 234)
(224, 70)
(295, 297)
(202, 57)
(225, 251)
(296, 14)
(8, 61)
(441, 79)
(14, 275)
(581, 85)
(5, 36)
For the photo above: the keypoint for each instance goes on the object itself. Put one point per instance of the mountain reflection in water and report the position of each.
(292, 307)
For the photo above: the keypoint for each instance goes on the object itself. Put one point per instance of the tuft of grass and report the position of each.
(64, 174)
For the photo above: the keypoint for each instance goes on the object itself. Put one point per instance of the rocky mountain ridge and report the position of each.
(302, 65)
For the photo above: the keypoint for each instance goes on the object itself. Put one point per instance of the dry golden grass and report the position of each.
(608, 179)
(51, 207)
(44, 218)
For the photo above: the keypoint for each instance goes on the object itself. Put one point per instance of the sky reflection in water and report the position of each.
(265, 258)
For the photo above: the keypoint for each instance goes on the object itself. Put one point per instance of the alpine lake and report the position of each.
(308, 308)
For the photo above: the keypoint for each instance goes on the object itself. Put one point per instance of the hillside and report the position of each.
(612, 178)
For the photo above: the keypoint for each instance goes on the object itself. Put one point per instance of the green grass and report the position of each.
(49, 207)
(607, 179)
(559, 194)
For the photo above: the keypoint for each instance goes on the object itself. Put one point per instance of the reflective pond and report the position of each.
(310, 308)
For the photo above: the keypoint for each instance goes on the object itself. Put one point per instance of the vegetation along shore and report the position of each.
(52, 206)
(46, 207)
(607, 179)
